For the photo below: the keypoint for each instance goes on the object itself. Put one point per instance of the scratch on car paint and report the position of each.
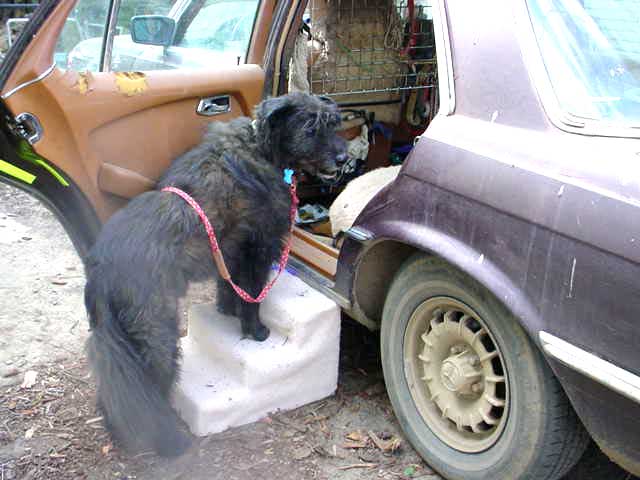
(82, 84)
(573, 272)
(494, 116)
(131, 83)
(561, 191)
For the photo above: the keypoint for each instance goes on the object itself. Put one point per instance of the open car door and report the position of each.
(99, 96)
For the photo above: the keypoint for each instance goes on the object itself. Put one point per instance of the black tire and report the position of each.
(541, 437)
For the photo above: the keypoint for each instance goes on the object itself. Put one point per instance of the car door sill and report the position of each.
(316, 280)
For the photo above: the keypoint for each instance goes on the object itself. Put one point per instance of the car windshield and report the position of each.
(221, 25)
(591, 51)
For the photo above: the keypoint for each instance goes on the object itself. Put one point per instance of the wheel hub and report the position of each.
(458, 373)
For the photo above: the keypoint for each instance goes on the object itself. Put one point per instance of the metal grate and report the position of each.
(372, 46)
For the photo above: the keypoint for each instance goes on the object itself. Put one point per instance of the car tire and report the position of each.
(472, 393)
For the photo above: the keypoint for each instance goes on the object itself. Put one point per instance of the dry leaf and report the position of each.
(301, 453)
(106, 449)
(390, 445)
(29, 379)
(354, 445)
(356, 436)
(29, 433)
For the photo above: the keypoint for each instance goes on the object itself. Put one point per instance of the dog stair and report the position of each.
(228, 381)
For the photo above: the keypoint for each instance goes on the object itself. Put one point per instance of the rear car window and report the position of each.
(591, 51)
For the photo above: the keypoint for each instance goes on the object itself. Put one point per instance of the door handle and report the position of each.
(210, 106)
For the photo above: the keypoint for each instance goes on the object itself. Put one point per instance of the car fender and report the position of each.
(435, 242)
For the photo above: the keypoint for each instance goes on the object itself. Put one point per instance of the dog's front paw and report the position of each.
(260, 333)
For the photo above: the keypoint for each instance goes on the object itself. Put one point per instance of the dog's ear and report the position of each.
(270, 114)
(273, 109)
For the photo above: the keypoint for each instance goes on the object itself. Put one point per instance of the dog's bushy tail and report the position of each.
(136, 412)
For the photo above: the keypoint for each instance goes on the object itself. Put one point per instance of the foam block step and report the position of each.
(229, 381)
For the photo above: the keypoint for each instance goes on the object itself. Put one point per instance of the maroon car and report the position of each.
(501, 263)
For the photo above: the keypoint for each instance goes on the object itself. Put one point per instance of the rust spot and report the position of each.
(82, 83)
(131, 83)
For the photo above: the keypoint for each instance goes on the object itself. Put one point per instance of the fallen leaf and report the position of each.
(29, 379)
(29, 433)
(390, 445)
(356, 436)
(106, 449)
(354, 445)
(301, 453)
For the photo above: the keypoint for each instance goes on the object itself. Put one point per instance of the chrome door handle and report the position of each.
(210, 106)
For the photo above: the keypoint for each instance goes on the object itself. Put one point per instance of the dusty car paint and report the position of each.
(548, 220)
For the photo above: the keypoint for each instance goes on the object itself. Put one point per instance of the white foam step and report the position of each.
(228, 381)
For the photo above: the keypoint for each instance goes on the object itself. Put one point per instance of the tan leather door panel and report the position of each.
(115, 133)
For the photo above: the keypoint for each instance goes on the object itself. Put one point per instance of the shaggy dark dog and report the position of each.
(149, 251)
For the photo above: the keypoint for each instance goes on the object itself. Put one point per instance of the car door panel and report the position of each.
(114, 133)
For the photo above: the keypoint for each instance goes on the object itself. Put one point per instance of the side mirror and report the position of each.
(153, 30)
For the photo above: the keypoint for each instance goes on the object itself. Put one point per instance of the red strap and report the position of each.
(217, 253)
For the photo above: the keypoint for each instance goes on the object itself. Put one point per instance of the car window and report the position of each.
(591, 51)
(208, 33)
(79, 46)
(130, 56)
(222, 26)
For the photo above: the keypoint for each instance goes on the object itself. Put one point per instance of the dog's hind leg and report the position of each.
(159, 341)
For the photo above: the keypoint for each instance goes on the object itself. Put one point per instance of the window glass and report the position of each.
(207, 33)
(80, 44)
(591, 51)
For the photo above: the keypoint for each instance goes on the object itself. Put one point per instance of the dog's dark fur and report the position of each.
(149, 251)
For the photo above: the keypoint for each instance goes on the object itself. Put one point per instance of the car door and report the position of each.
(93, 118)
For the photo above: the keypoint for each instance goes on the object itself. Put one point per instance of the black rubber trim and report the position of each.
(277, 24)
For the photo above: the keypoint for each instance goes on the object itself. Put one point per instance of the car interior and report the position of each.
(113, 132)
(376, 59)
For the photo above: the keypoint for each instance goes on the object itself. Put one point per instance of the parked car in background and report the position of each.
(501, 265)
(217, 33)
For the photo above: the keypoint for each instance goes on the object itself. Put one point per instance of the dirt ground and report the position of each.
(49, 427)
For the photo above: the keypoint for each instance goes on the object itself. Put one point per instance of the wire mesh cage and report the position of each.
(372, 46)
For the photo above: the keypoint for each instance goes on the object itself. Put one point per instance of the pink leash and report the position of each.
(217, 253)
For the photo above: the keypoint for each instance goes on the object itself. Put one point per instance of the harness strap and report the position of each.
(217, 253)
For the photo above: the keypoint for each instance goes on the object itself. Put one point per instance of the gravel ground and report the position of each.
(49, 427)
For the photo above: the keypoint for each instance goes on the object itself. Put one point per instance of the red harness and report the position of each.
(217, 253)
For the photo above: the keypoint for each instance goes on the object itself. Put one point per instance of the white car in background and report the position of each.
(230, 21)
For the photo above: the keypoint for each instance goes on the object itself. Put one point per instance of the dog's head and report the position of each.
(298, 131)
